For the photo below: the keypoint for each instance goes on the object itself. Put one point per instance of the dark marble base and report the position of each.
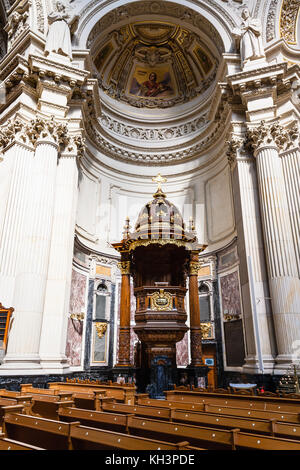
(14, 382)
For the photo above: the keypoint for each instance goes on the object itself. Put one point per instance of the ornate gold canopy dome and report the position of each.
(161, 219)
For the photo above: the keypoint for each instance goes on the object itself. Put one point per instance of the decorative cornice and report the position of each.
(120, 151)
(153, 134)
(159, 8)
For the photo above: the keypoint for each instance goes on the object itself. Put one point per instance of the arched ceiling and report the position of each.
(154, 54)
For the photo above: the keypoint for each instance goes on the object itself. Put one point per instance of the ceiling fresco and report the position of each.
(154, 64)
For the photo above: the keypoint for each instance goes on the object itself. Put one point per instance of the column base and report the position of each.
(252, 365)
(25, 362)
(56, 363)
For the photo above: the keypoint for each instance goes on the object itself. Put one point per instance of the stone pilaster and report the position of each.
(57, 297)
(257, 318)
(284, 283)
(290, 157)
(17, 153)
(30, 284)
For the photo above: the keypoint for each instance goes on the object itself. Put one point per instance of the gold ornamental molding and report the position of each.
(161, 301)
(288, 20)
(100, 329)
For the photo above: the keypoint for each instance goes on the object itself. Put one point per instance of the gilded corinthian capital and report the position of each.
(124, 266)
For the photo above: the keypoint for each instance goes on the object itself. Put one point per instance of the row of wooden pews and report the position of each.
(86, 418)
(264, 403)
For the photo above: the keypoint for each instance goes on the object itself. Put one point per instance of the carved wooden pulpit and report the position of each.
(160, 255)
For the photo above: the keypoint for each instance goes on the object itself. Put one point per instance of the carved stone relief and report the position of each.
(288, 20)
(141, 133)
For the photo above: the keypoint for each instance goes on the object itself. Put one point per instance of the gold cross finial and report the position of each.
(159, 180)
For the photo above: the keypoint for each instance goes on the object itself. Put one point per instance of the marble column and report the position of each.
(257, 316)
(16, 182)
(32, 270)
(195, 322)
(124, 331)
(56, 307)
(278, 236)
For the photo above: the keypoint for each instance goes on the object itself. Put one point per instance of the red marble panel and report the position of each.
(230, 293)
(75, 327)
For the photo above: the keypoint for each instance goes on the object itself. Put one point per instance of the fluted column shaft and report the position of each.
(291, 169)
(195, 321)
(56, 308)
(281, 260)
(13, 216)
(257, 318)
(29, 292)
(124, 332)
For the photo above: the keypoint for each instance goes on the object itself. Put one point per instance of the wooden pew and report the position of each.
(87, 438)
(9, 444)
(83, 399)
(58, 435)
(121, 393)
(228, 410)
(45, 433)
(27, 389)
(241, 401)
(145, 427)
(47, 409)
(208, 438)
(256, 442)
(249, 424)
(90, 400)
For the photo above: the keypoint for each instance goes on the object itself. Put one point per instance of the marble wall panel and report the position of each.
(182, 352)
(75, 327)
(230, 294)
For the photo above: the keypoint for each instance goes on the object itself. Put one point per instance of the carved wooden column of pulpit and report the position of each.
(124, 331)
(195, 324)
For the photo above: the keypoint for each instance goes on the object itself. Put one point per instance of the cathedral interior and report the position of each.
(150, 201)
